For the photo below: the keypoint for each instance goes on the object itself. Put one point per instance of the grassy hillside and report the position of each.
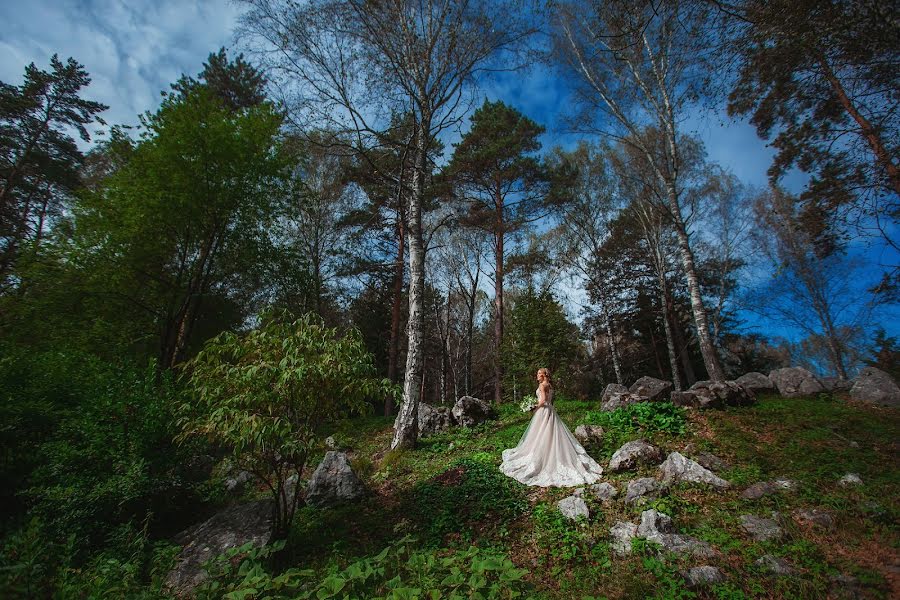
(448, 494)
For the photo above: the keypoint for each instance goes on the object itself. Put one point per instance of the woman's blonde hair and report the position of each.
(546, 373)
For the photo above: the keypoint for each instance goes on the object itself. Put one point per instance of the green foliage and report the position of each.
(399, 572)
(644, 416)
(565, 541)
(538, 334)
(471, 492)
(267, 395)
(670, 585)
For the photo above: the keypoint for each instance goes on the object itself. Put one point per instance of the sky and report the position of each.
(134, 49)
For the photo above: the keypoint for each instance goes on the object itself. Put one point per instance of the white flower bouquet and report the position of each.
(527, 403)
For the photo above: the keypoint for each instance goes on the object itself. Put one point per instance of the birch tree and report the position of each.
(636, 67)
(352, 63)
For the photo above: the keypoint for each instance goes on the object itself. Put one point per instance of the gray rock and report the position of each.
(621, 399)
(610, 389)
(573, 507)
(469, 411)
(633, 453)
(643, 489)
(785, 484)
(236, 482)
(234, 526)
(761, 529)
(710, 461)
(756, 383)
(652, 388)
(603, 491)
(850, 479)
(793, 382)
(334, 481)
(700, 384)
(714, 394)
(835, 384)
(433, 421)
(775, 565)
(766, 488)
(589, 434)
(679, 468)
(657, 527)
(702, 576)
(331, 444)
(815, 516)
(875, 386)
(622, 533)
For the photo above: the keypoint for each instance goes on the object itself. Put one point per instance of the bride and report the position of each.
(548, 454)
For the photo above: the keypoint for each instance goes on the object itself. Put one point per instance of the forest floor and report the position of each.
(448, 493)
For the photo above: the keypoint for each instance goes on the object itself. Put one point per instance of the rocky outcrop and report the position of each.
(793, 382)
(434, 420)
(232, 527)
(657, 527)
(604, 492)
(714, 394)
(470, 411)
(334, 482)
(620, 400)
(698, 577)
(622, 533)
(712, 462)
(573, 507)
(775, 565)
(652, 388)
(875, 386)
(760, 528)
(633, 453)
(678, 468)
(589, 434)
(756, 383)
(642, 490)
(610, 389)
(835, 384)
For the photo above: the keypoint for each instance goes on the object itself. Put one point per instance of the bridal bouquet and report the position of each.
(527, 403)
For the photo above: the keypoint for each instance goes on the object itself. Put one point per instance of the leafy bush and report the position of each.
(399, 572)
(646, 416)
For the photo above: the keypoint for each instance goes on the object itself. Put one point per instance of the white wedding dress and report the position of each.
(548, 454)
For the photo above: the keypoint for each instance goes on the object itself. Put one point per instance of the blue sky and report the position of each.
(135, 49)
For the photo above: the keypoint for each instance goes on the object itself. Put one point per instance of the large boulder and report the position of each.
(756, 383)
(835, 384)
(793, 382)
(589, 434)
(433, 420)
(470, 411)
(334, 481)
(232, 527)
(610, 389)
(714, 394)
(652, 388)
(875, 386)
(678, 467)
(633, 453)
(622, 399)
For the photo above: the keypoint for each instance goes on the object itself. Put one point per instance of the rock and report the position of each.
(815, 516)
(715, 394)
(469, 411)
(334, 481)
(235, 483)
(765, 488)
(761, 529)
(589, 434)
(199, 467)
(652, 388)
(875, 386)
(621, 399)
(756, 383)
(850, 479)
(573, 507)
(622, 533)
(633, 453)
(657, 527)
(679, 468)
(610, 389)
(702, 576)
(710, 461)
(603, 491)
(331, 444)
(643, 489)
(835, 384)
(700, 384)
(433, 421)
(234, 526)
(793, 382)
(775, 565)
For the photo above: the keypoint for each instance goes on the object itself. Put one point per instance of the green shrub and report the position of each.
(643, 416)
